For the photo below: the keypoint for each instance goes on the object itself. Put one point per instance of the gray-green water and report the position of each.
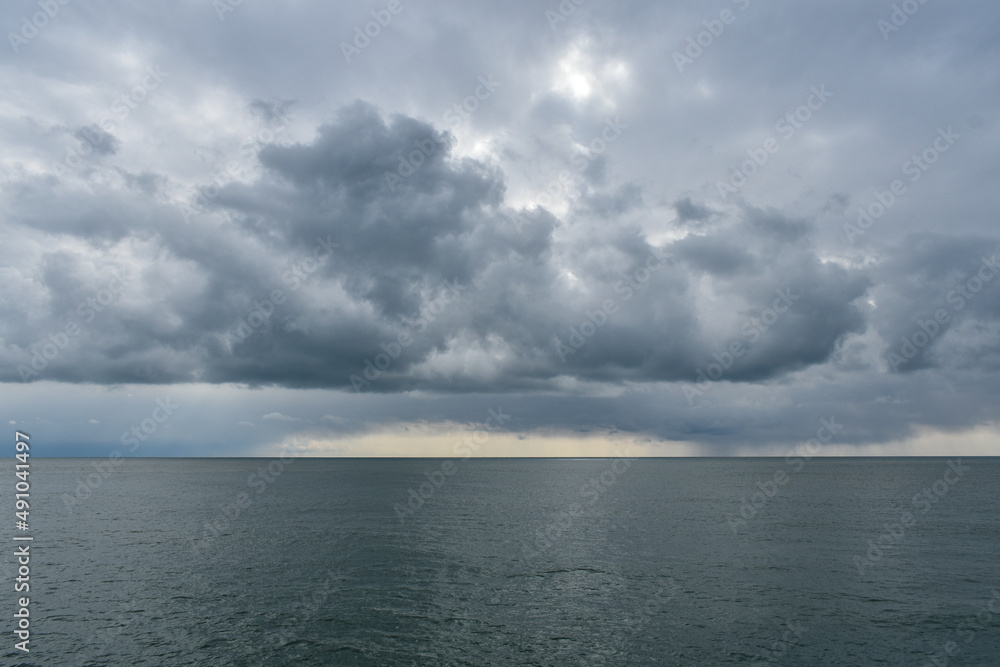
(512, 562)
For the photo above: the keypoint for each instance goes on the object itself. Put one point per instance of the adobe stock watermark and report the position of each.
(795, 459)
(752, 329)
(44, 351)
(97, 136)
(275, 124)
(223, 7)
(451, 291)
(786, 127)
(372, 29)
(922, 503)
(132, 438)
(928, 329)
(967, 630)
(295, 277)
(409, 164)
(258, 481)
(465, 448)
(915, 167)
(780, 647)
(698, 43)
(598, 145)
(565, 10)
(592, 489)
(598, 317)
(900, 15)
(29, 28)
(460, 112)
(424, 149)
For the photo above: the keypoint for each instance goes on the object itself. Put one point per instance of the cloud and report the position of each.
(435, 256)
(101, 142)
(688, 211)
(277, 416)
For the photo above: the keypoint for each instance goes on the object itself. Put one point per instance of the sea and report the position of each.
(672, 561)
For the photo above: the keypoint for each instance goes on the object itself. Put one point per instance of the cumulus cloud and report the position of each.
(375, 228)
(277, 416)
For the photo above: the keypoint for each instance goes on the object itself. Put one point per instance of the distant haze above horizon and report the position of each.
(503, 229)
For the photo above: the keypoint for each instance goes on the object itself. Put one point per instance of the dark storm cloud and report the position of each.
(102, 142)
(941, 303)
(712, 254)
(403, 227)
(688, 211)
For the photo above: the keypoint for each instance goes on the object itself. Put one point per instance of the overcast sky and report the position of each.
(356, 228)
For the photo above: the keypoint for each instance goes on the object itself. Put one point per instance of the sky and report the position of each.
(586, 228)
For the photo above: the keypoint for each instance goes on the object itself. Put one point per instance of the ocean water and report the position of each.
(511, 562)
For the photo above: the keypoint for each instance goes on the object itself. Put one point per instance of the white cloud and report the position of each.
(277, 416)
